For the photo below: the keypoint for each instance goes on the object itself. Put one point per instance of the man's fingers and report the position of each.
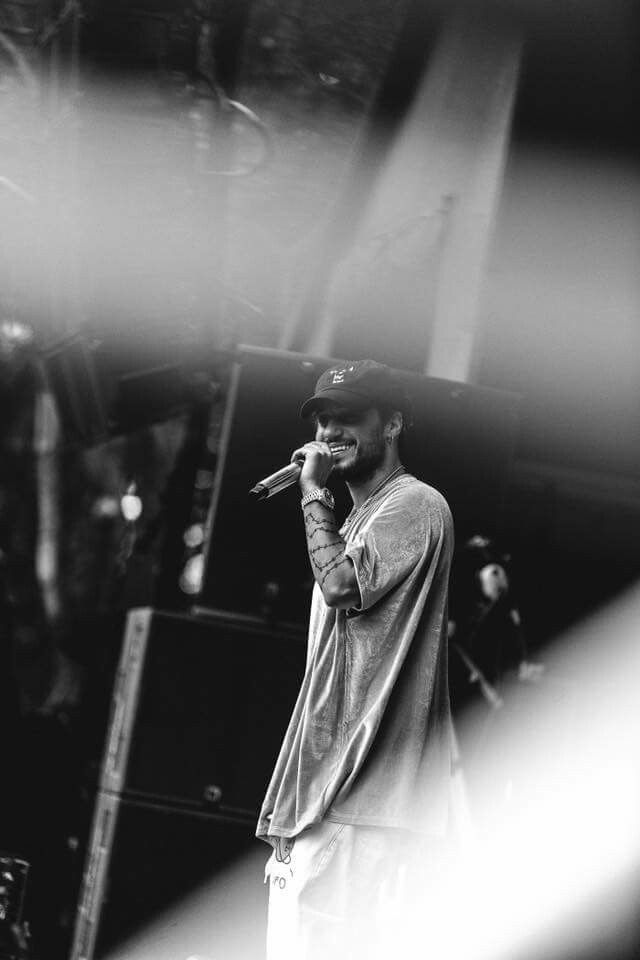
(314, 446)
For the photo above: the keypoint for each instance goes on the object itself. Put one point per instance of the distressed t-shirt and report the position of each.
(369, 741)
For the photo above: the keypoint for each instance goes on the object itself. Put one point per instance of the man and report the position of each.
(363, 772)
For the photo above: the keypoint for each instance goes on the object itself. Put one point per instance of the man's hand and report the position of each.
(317, 463)
(332, 569)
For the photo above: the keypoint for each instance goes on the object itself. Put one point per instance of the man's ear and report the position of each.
(394, 425)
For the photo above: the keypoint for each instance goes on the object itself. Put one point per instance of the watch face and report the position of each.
(323, 496)
(327, 497)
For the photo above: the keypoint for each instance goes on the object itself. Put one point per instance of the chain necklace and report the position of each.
(355, 513)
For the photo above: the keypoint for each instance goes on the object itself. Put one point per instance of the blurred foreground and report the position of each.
(548, 865)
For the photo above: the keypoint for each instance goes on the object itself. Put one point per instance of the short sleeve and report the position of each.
(393, 543)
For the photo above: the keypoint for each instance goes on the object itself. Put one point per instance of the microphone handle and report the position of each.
(277, 481)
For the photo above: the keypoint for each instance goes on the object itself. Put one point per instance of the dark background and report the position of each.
(138, 273)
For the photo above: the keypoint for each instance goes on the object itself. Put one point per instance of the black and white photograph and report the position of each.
(319, 479)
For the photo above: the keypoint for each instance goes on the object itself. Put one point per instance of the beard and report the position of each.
(369, 455)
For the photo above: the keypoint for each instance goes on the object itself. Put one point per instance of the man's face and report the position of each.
(356, 439)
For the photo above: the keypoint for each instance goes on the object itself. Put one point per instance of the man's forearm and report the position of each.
(332, 568)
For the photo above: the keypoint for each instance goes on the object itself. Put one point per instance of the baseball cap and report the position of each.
(357, 385)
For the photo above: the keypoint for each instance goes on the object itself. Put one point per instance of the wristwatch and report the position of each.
(322, 494)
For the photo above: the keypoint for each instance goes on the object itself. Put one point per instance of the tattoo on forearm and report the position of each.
(316, 524)
(327, 556)
(332, 565)
(325, 546)
(321, 561)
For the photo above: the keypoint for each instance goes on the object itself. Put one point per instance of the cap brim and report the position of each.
(345, 398)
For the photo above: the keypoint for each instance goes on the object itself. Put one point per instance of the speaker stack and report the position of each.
(198, 713)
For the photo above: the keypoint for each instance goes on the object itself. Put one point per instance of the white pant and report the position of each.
(334, 895)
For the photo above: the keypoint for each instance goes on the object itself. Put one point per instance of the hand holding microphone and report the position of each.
(310, 464)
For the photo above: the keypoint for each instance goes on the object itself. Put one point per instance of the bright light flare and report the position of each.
(224, 920)
(551, 867)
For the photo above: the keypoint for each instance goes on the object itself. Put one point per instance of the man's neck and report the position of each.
(360, 490)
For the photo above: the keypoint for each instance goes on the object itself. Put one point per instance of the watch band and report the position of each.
(322, 494)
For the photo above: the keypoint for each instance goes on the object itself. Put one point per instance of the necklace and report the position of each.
(355, 513)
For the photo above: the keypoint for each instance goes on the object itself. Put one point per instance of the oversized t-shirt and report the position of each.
(369, 741)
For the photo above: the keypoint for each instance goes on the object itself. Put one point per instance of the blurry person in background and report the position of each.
(485, 621)
(489, 659)
(364, 772)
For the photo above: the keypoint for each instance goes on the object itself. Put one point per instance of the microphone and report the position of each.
(277, 481)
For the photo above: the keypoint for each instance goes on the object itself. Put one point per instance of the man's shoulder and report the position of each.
(421, 494)
(417, 505)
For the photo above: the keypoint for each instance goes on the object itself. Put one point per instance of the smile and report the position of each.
(337, 448)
